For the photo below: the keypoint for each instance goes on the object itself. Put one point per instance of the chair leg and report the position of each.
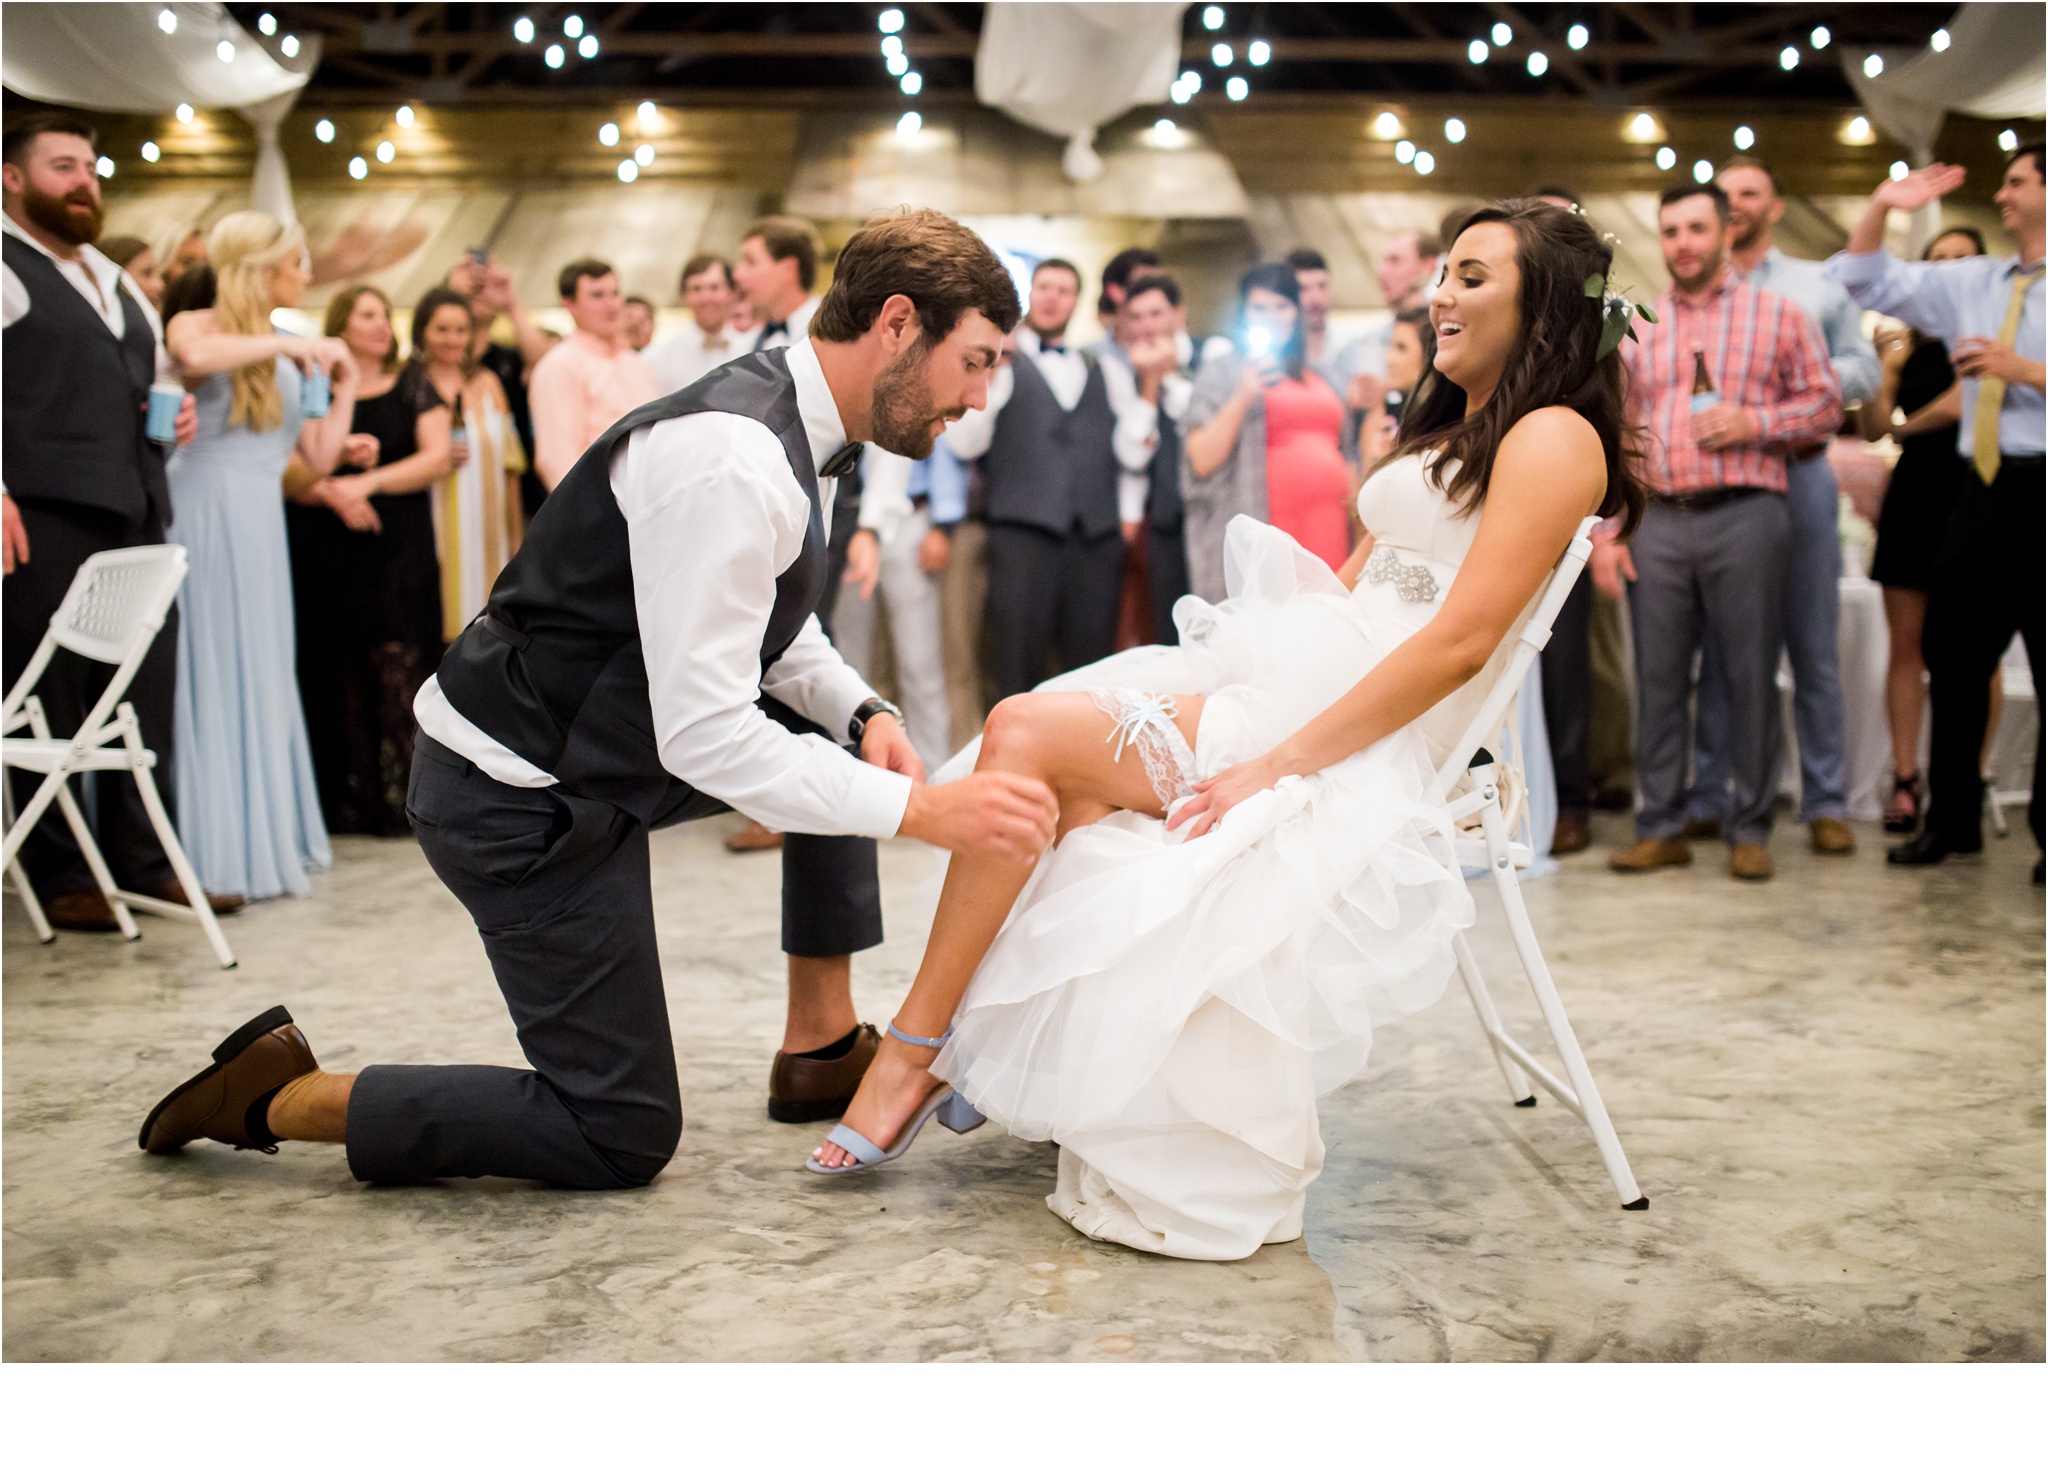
(1489, 1020)
(96, 862)
(19, 876)
(1552, 1006)
(160, 820)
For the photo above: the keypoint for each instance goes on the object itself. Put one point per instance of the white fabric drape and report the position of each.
(1068, 68)
(116, 58)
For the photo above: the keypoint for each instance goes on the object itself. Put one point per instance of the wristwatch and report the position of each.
(867, 711)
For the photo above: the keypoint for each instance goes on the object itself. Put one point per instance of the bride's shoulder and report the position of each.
(1553, 429)
(1551, 451)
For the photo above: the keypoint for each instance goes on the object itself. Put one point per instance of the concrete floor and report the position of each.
(1830, 1087)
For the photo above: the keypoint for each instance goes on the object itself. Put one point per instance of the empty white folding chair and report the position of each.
(112, 612)
(1471, 783)
(2016, 721)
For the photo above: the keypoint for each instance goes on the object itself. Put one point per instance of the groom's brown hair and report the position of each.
(942, 265)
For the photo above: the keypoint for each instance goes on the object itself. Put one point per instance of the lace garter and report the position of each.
(1144, 720)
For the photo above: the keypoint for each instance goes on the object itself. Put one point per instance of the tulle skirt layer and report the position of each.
(1168, 1010)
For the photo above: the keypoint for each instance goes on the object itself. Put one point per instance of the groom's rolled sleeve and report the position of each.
(715, 489)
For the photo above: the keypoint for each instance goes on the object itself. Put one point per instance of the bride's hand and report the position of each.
(1215, 797)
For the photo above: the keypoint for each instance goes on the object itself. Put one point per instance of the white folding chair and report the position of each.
(1470, 783)
(112, 612)
(2018, 683)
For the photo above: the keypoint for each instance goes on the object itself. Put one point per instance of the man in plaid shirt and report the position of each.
(1708, 563)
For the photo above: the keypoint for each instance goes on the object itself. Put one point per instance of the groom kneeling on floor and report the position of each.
(650, 655)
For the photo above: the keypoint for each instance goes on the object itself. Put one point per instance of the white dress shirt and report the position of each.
(681, 358)
(1136, 436)
(93, 275)
(713, 515)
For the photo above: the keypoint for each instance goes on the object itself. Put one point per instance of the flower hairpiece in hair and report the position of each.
(1616, 314)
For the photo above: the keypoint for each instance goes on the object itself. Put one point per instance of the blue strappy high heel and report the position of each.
(951, 1109)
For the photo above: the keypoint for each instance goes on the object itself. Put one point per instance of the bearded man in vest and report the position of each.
(651, 655)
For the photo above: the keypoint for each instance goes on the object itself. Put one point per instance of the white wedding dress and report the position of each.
(1168, 1010)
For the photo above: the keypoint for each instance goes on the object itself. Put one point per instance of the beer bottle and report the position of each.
(1703, 393)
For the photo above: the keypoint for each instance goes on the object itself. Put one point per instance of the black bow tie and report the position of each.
(841, 463)
(1058, 348)
(773, 328)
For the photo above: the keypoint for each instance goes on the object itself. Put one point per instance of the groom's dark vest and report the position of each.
(553, 668)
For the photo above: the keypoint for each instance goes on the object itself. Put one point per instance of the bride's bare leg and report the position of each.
(1062, 738)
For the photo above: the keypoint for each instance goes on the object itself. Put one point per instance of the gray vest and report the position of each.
(1050, 468)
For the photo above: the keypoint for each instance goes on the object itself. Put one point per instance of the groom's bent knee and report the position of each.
(636, 1149)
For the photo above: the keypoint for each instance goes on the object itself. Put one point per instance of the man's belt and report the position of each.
(1701, 499)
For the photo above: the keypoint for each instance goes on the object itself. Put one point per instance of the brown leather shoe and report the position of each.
(1831, 837)
(1750, 862)
(174, 893)
(1572, 834)
(256, 1059)
(804, 1090)
(1702, 829)
(753, 837)
(1650, 854)
(81, 910)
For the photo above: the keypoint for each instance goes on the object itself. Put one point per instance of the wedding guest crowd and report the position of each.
(347, 504)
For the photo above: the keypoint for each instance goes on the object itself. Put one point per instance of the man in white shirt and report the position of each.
(83, 345)
(651, 655)
(710, 339)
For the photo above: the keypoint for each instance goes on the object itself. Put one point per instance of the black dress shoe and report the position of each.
(2038, 872)
(1925, 848)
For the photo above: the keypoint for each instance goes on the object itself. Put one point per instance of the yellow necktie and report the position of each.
(1991, 389)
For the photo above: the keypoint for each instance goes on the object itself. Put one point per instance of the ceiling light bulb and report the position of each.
(908, 124)
(1939, 40)
(1577, 37)
(151, 152)
(1900, 170)
(1220, 54)
(892, 45)
(1258, 53)
(891, 21)
(226, 51)
(2008, 140)
(1820, 38)
(1538, 63)
(1703, 171)
(1386, 125)
(167, 22)
(608, 135)
(324, 130)
(1404, 152)
(522, 31)
(1666, 159)
(267, 23)
(587, 48)
(104, 167)
(1212, 17)
(1873, 65)
(1192, 80)
(912, 84)
(405, 117)
(628, 170)
(554, 57)
(1237, 89)
(1502, 33)
(289, 45)
(1164, 128)
(185, 111)
(385, 151)
(1476, 52)
(1745, 139)
(573, 27)
(897, 64)
(1425, 162)
(1858, 130)
(357, 168)
(1788, 58)
(644, 154)
(1454, 130)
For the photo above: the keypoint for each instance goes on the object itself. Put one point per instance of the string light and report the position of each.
(648, 114)
(891, 21)
(1454, 130)
(628, 170)
(522, 30)
(2008, 140)
(385, 151)
(1745, 139)
(1538, 63)
(1641, 128)
(185, 113)
(1164, 130)
(405, 117)
(908, 124)
(1503, 34)
(1939, 40)
(1820, 38)
(1476, 52)
(267, 23)
(1858, 131)
(912, 84)
(554, 57)
(892, 45)
(151, 152)
(104, 167)
(1212, 18)
(1703, 171)
(1899, 171)
(290, 46)
(1667, 159)
(573, 27)
(644, 154)
(1404, 152)
(1425, 163)
(608, 135)
(1192, 81)
(324, 130)
(1258, 53)
(357, 168)
(167, 22)
(1788, 58)
(1577, 37)
(587, 48)
(226, 51)
(1237, 89)
(897, 64)
(1220, 54)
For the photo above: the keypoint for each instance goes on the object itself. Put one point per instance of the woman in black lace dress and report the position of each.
(366, 580)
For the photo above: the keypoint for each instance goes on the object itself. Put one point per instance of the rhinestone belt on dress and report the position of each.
(1411, 582)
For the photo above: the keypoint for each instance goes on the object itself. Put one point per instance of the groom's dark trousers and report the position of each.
(560, 891)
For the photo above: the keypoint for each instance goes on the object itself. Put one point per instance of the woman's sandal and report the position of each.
(1894, 821)
(952, 1110)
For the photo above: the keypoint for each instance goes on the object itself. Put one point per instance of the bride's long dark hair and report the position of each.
(1554, 362)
